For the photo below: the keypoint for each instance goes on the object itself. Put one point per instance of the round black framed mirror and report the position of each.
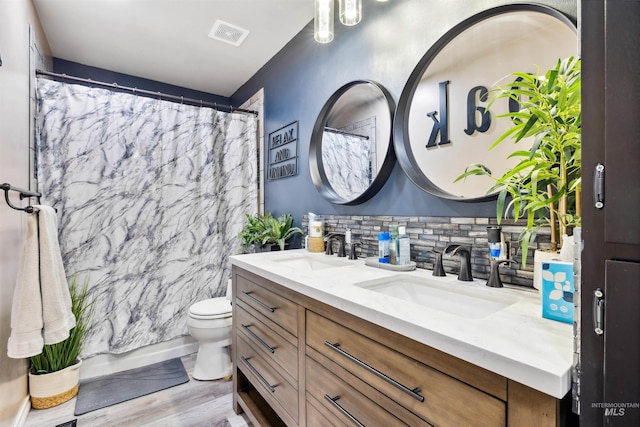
(442, 123)
(351, 153)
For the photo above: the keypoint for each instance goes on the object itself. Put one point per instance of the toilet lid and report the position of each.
(211, 308)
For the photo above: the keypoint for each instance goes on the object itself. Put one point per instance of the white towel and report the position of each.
(41, 311)
(26, 312)
(56, 300)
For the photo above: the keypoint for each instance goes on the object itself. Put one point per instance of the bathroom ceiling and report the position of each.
(167, 40)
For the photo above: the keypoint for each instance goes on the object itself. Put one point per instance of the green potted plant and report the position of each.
(252, 229)
(544, 187)
(261, 231)
(54, 374)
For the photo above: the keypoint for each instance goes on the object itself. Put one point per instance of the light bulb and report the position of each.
(350, 11)
(323, 21)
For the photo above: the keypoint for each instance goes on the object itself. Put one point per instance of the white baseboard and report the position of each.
(21, 417)
(236, 420)
(104, 364)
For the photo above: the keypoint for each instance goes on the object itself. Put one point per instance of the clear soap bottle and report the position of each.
(393, 245)
(403, 256)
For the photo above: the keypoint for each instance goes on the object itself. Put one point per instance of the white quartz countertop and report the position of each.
(514, 341)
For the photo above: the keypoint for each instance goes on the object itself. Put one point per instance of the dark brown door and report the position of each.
(622, 344)
(610, 361)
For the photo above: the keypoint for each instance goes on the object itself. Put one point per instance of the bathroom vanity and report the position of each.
(320, 340)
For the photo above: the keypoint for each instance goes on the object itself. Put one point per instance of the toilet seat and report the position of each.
(212, 308)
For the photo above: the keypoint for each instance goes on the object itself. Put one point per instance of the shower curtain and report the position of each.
(347, 164)
(151, 196)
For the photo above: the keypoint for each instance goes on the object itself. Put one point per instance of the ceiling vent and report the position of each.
(228, 33)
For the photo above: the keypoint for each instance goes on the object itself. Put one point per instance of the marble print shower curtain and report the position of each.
(151, 196)
(346, 163)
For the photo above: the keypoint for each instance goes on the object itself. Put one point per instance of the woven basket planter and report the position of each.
(49, 390)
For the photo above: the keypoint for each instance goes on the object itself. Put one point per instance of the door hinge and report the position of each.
(598, 186)
(598, 311)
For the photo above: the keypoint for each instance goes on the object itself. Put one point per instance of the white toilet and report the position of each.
(209, 322)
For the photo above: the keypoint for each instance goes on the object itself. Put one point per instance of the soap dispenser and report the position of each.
(403, 255)
(393, 246)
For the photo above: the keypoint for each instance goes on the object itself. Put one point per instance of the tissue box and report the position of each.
(557, 291)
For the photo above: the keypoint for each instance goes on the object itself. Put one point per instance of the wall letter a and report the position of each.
(481, 93)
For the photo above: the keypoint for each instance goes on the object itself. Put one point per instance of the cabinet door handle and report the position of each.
(334, 402)
(413, 392)
(262, 379)
(598, 311)
(263, 305)
(257, 338)
(598, 186)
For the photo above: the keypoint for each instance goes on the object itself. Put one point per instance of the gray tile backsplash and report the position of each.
(435, 233)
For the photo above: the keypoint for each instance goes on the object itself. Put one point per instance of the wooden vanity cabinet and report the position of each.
(266, 352)
(436, 397)
(329, 368)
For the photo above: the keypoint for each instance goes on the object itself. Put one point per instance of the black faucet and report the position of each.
(438, 269)
(465, 261)
(352, 251)
(330, 238)
(494, 274)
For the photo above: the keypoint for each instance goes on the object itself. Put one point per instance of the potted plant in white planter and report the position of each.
(264, 231)
(54, 374)
(544, 187)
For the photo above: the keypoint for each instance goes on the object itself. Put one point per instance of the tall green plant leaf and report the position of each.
(550, 113)
(55, 357)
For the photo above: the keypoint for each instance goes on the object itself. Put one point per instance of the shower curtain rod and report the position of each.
(341, 132)
(23, 194)
(181, 99)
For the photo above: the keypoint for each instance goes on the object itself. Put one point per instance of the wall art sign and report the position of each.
(283, 152)
(442, 124)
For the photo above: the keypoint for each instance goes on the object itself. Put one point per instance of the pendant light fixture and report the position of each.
(350, 11)
(323, 21)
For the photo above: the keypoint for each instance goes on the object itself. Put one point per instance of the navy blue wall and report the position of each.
(385, 47)
(84, 71)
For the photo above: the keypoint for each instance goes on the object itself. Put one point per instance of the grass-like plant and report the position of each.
(55, 357)
(544, 187)
(261, 230)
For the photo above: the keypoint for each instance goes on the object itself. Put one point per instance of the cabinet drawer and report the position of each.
(432, 395)
(275, 389)
(279, 309)
(319, 417)
(335, 399)
(272, 345)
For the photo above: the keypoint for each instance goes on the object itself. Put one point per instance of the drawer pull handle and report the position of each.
(411, 392)
(272, 388)
(257, 338)
(263, 305)
(334, 402)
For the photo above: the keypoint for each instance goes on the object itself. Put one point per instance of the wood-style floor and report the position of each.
(193, 404)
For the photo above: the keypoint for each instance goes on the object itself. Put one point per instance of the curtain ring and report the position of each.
(201, 103)
(181, 99)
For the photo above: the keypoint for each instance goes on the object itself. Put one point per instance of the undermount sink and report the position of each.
(312, 262)
(443, 294)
